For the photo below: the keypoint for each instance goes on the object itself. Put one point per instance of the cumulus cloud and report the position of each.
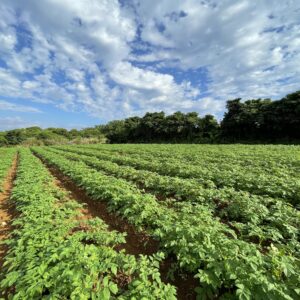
(113, 59)
(146, 90)
(247, 46)
(58, 53)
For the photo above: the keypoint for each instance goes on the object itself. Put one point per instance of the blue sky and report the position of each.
(76, 64)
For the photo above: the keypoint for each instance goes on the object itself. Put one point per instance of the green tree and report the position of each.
(151, 126)
(115, 131)
(3, 140)
(209, 128)
(15, 137)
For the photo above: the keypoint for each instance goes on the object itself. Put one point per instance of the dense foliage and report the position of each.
(252, 121)
(157, 127)
(6, 157)
(50, 136)
(263, 119)
(239, 237)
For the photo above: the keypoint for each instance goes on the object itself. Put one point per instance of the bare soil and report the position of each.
(7, 210)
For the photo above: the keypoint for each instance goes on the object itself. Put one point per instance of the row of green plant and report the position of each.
(54, 253)
(277, 161)
(226, 266)
(6, 159)
(254, 182)
(270, 159)
(257, 218)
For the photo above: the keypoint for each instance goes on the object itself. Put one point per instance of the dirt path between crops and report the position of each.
(7, 211)
(136, 242)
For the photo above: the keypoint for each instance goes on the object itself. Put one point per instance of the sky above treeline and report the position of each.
(76, 64)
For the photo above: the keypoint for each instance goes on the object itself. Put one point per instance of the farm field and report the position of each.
(150, 222)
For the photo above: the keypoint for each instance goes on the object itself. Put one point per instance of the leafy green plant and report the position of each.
(225, 264)
(54, 254)
(6, 159)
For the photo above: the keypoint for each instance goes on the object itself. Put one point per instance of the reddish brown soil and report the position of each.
(7, 212)
(184, 282)
(136, 242)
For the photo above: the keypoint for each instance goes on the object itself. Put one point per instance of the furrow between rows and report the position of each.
(7, 209)
(137, 242)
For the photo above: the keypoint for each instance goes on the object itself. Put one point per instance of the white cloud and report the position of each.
(235, 41)
(7, 40)
(112, 60)
(8, 123)
(128, 75)
(144, 90)
(5, 105)
(30, 84)
(9, 84)
(66, 54)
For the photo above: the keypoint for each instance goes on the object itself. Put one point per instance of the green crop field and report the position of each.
(152, 222)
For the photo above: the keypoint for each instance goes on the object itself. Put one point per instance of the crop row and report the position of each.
(259, 184)
(223, 264)
(284, 159)
(6, 159)
(274, 168)
(56, 254)
(254, 217)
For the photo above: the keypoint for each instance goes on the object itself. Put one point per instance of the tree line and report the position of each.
(262, 120)
(257, 120)
(157, 127)
(251, 121)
